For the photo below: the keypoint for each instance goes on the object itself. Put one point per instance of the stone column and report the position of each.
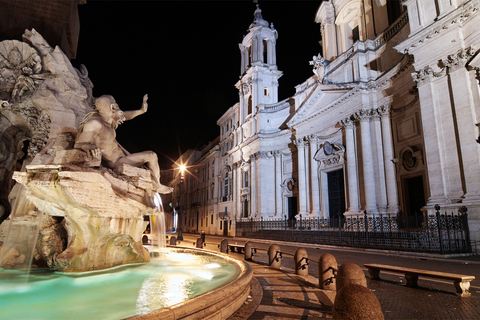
(352, 175)
(235, 191)
(302, 188)
(466, 115)
(238, 198)
(253, 190)
(244, 63)
(315, 191)
(379, 163)
(278, 184)
(392, 197)
(368, 170)
(439, 136)
(274, 52)
(308, 186)
(266, 184)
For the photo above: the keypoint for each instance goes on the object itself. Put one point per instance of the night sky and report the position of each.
(185, 55)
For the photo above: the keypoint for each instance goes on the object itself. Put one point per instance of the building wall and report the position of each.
(387, 123)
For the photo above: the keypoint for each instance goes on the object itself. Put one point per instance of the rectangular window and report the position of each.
(355, 34)
(265, 92)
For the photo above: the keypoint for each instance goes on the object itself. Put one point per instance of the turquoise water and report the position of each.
(115, 293)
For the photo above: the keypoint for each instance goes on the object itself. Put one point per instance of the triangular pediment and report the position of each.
(320, 98)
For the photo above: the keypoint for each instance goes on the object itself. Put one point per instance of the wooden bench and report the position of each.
(236, 248)
(461, 281)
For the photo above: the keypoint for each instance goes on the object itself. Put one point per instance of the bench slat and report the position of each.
(461, 281)
(437, 274)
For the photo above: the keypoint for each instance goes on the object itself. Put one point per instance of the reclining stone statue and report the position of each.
(97, 137)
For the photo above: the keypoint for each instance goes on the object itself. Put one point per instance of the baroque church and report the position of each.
(386, 125)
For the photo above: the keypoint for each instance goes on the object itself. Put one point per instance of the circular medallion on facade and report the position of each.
(328, 148)
(408, 160)
(290, 185)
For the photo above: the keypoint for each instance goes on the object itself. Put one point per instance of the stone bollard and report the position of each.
(173, 241)
(224, 246)
(350, 273)
(301, 262)
(274, 256)
(199, 243)
(249, 250)
(327, 268)
(355, 301)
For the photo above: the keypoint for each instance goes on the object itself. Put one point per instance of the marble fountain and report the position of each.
(71, 245)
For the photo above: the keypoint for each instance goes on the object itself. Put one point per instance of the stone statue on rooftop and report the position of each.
(96, 136)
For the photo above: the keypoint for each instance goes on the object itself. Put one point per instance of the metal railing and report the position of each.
(439, 233)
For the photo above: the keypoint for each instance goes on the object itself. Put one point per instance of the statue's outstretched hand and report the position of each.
(94, 153)
(145, 104)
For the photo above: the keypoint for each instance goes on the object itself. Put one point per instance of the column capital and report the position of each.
(375, 115)
(300, 142)
(347, 123)
(363, 115)
(459, 59)
(384, 111)
(426, 74)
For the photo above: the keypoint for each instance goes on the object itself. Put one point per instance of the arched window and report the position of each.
(349, 25)
(226, 185)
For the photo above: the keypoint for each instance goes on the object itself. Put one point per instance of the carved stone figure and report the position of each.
(319, 63)
(20, 67)
(96, 136)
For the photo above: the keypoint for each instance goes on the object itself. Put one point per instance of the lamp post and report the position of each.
(180, 212)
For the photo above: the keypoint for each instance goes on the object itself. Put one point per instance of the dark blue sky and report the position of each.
(185, 55)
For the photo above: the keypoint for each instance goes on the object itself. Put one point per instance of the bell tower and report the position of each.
(259, 74)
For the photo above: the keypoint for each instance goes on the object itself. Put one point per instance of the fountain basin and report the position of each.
(183, 283)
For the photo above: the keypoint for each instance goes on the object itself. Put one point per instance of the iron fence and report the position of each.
(439, 233)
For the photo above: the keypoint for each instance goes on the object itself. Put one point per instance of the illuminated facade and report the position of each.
(387, 123)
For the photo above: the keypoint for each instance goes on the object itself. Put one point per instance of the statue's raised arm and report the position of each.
(97, 134)
(132, 114)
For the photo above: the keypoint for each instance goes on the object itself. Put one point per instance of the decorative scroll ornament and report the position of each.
(20, 67)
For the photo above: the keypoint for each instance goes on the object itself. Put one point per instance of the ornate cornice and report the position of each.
(451, 63)
(455, 18)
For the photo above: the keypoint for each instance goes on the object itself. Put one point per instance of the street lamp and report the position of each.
(180, 211)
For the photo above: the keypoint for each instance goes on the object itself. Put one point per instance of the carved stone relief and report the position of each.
(330, 154)
(20, 70)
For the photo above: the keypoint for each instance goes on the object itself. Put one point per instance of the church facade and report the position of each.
(387, 123)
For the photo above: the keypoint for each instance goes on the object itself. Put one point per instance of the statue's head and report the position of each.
(109, 110)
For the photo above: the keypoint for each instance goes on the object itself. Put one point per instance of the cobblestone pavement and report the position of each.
(280, 294)
(431, 300)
